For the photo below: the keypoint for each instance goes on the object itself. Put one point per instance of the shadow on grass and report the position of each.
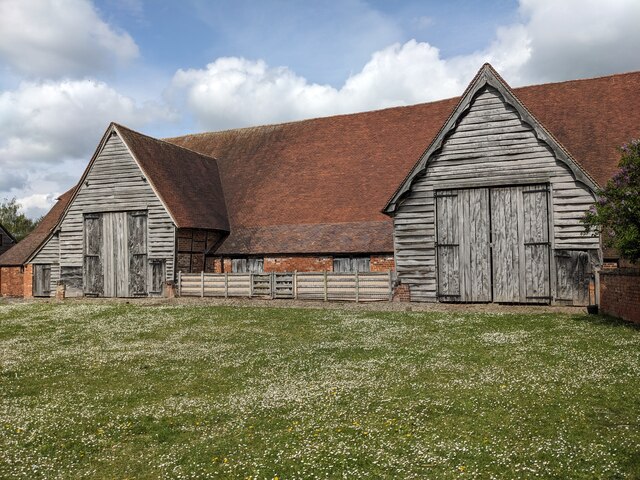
(607, 321)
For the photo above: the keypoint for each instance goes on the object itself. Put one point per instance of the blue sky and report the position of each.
(69, 67)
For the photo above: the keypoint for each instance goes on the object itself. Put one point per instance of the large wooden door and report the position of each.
(493, 244)
(464, 261)
(520, 241)
(115, 261)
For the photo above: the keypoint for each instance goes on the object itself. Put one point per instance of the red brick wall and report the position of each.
(402, 293)
(620, 294)
(301, 264)
(12, 281)
(27, 282)
(382, 263)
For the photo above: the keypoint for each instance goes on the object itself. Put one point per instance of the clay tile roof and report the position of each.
(20, 253)
(187, 182)
(591, 117)
(343, 169)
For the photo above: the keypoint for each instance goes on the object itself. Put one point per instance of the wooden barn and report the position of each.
(471, 199)
(500, 200)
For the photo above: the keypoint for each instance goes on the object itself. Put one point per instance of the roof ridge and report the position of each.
(396, 107)
(162, 140)
(312, 119)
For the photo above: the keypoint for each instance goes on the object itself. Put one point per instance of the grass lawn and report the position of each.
(90, 390)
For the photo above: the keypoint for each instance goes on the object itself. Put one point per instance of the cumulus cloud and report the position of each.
(552, 41)
(50, 129)
(580, 38)
(54, 121)
(60, 38)
(236, 91)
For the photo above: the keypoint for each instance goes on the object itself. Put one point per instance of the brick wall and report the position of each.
(402, 293)
(382, 263)
(27, 282)
(11, 281)
(620, 294)
(299, 263)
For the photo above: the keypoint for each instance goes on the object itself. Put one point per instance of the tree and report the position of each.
(616, 213)
(18, 224)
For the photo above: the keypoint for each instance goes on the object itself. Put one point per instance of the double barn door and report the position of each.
(493, 244)
(115, 254)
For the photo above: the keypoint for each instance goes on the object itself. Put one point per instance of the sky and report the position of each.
(165, 68)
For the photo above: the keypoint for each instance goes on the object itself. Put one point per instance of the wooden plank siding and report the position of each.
(114, 183)
(489, 146)
(50, 255)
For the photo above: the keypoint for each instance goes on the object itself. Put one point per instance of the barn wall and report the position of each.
(489, 146)
(114, 183)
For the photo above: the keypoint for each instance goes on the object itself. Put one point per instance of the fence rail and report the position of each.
(354, 287)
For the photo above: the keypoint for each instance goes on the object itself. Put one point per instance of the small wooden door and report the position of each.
(41, 280)
(464, 259)
(92, 272)
(448, 245)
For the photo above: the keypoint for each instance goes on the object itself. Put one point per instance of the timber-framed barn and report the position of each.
(472, 199)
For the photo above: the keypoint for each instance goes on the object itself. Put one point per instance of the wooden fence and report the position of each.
(354, 287)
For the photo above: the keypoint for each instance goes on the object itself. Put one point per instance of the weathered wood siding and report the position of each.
(115, 183)
(50, 255)
(489, 146)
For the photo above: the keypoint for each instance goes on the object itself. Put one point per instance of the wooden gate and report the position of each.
(493, 244)
(115, 260)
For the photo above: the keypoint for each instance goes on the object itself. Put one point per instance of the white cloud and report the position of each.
(53, 121)
(60, 38)
(50, 129)
(581, 38)
(553, 41)
(234, 92)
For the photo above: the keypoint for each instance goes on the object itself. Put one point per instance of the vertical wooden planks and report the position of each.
(536, 243)
(93, 275)
(137, 247)
(121, 253)
(448, 228)
(478, 240)
(41, 280)
(504, 229)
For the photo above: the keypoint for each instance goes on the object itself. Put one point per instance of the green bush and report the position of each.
(616, 213)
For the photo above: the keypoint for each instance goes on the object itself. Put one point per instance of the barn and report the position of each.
(470, 199)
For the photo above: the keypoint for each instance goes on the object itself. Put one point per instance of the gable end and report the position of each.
(488, 77)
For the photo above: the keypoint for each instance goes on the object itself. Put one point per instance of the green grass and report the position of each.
(130, 391)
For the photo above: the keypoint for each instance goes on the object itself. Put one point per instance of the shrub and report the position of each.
(616, 213)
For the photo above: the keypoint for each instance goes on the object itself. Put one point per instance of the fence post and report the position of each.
(326, 293)
(357, 287)
(295, 284)
(250, 285)
(273, 285)
(226, 285)
(202, 280)
(390, 287)
(179, 283)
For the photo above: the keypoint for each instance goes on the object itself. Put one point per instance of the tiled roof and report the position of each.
(343, 169)
(187, 182)
(20, 253)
